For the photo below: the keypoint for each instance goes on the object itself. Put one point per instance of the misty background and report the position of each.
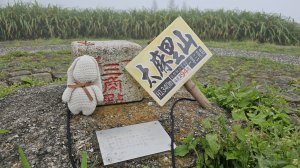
(286, 8)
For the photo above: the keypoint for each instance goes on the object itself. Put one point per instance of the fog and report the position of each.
(286, 8)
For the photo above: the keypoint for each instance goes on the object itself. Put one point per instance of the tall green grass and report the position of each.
(32, 21)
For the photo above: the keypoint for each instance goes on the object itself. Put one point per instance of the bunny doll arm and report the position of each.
(68, 92)
(67, 95)
(98, 93)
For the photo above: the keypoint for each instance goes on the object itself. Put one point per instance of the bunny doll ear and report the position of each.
(70, 72)
(98, 82)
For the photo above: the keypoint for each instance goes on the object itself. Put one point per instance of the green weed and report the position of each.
(26, 82)
(3, 131)
(24, 161)
(31, 81)
(16, 61)
(84, 159)
(5, 90)
(261, 134)
(18, 54)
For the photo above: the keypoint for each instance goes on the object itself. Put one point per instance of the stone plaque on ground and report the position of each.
(113, 56)
(129, 142)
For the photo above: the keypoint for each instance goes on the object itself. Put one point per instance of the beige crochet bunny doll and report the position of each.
(84, 90)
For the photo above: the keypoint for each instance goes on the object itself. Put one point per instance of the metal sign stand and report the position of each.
(197, 94)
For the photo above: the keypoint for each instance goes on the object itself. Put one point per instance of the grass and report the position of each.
(56, 61)
(44, 42)
(283, 77)
(219, 63)
(214, 71)
(261, 133)
(3, 131)
(33, 21)
(5, 90)
(251, 141)
(84, 159)
(240, 45)
(24, 161)
(26, 82)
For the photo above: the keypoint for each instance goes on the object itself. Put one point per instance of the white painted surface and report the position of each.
(129, 142)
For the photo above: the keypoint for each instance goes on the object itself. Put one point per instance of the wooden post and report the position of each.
(197, 94)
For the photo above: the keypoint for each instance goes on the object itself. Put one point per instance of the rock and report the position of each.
(151, 103)
(295, 119)
(17, 79)
(291, 97)
(16, 165)
(262, 78)
(19, 73)
(283, 80)
(42, 70)
(49, 149)
(36, 119)
(223, 75)
(46, 77)
(13, 137)
(3, 83)
(59, 75)
(296, 85)
(165, 162)
(118, 85)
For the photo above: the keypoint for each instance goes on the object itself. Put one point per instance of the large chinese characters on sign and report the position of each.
(169, 61)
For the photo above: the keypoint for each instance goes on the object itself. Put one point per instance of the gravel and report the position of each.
(36, 120)
(283, 58)
(5, 50)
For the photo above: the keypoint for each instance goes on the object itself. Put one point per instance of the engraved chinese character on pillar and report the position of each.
(118, 86)
(112, 84)
(112, 81)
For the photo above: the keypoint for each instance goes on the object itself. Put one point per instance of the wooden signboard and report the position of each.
(169, 61)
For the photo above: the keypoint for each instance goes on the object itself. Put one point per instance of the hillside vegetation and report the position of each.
(32, 21)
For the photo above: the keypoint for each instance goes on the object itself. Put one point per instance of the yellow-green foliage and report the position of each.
(31, 21)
